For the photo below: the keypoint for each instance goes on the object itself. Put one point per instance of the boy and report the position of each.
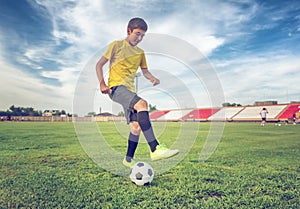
(125, 58)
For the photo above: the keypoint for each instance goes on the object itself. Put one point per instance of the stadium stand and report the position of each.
(289, 111)
(276, 113)
(200, 114)
(252, 112)
(157, 114)
(175, 115)
(226, 113)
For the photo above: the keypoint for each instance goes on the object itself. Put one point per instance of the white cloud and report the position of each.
(20, 89)
(250, 79)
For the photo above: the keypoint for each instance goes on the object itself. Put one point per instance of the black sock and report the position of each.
(144, 121)
(132, 145)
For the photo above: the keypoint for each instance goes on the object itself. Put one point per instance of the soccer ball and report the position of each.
(141, 174)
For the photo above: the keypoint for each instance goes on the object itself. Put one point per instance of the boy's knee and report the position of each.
(141, 105)
(135, 128)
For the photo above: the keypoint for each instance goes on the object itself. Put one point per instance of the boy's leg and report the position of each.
(130, 102)
(144, 121)
(131, 147)
(157, 151)
(133, 140)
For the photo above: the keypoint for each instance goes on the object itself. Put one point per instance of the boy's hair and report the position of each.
(137, 22)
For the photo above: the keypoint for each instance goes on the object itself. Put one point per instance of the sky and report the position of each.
(250, 50)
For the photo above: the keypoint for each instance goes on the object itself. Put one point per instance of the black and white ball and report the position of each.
(141, 174)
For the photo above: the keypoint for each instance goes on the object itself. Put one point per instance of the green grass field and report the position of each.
(44, 166)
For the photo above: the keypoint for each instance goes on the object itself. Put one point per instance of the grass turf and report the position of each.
(44, 166)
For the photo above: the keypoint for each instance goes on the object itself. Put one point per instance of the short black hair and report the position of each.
(137, 22)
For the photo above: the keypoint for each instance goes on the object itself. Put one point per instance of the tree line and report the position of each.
(26, 111)
(30, 111)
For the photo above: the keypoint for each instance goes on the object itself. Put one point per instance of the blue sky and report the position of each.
(253, 47)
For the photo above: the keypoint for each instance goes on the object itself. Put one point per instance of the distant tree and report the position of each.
(91, 114)
(152, 108)
(121, 114)
(22, 111)
(56, 113)
(29, 111)
(3, 113)
(227, 104)
(16, 111)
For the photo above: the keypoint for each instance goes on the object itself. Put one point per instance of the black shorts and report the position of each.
(127, 99)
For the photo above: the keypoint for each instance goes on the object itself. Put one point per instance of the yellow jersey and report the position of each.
(124, 62)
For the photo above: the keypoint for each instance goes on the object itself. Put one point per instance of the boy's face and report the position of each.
(136, 36)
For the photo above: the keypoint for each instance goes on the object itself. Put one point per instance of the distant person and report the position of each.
(263, 113)
(294, 118)
(124, 60)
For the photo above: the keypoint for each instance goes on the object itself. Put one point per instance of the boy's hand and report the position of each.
(104, 89)
(149, 76)
(154, 81)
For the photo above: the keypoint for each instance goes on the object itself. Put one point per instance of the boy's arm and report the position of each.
(99, 70)
(155, 81)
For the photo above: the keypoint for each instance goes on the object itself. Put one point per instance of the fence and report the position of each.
(62, 119)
